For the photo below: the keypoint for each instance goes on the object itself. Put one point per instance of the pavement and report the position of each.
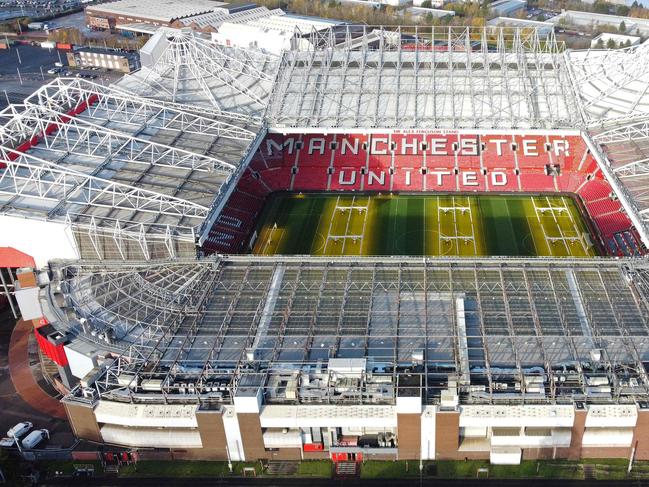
(307, 482)
(77, 21)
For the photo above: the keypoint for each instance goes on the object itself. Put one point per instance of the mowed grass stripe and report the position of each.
(415, 224)
(500, 236)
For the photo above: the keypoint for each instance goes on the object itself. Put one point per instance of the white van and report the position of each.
(34, 438)
(20, 430)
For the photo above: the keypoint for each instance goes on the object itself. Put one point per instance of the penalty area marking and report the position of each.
(347, 236)
(563, 238)
(463, 208)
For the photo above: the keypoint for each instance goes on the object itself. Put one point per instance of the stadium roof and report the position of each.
(216, 18)
(114, 164)
(424, 78)
(113, 171)
(611, 83)
(182, 66)
(495, 325)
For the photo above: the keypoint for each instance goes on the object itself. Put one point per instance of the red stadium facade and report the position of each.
(411, 162)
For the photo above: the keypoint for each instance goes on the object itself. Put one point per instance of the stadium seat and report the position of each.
(407, 179)
(380, 151)
(595, 189)
(498, 153)
(531, 151)
(377, 178)
(309, 178)
(534, 179)
(277, 178)
(317, 150)
(441, 179)
(347, 178)
(400, 163)
(408, 150)
(567, 152)
(351, 150)
(468, 152)
(440, 150)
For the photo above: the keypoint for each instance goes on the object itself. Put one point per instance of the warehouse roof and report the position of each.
(544, 330)
(161, 10)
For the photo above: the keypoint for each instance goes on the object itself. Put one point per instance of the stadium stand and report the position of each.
(496, 152)
(419, 162)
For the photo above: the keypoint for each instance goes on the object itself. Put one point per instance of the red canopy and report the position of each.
(10, 257)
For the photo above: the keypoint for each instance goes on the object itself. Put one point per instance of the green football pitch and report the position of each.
(446, 225)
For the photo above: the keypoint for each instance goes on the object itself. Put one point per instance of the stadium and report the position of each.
(386, 243)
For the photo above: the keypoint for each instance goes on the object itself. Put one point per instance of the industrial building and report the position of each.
(109, 15)
(170, 334)
(543, 28)
(632, 25)
(103, 58)
(506, 8)
(619, 40)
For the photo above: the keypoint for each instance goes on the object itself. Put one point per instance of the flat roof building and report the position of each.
(507, 7)
(632, 25)
(158, 13)
(605, 39)
(544, 29)
(104, 58)
(422, 12)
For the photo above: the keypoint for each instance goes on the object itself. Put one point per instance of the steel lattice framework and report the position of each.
(424, 78)
(243, 319)
(117, 167)
(611, 84)
(141, 169)
(184, 67)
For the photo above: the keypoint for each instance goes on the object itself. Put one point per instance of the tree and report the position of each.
(600, 43)
(623, 10)
(622, 27)
(600, 7)
(427, 4)
(610, 44)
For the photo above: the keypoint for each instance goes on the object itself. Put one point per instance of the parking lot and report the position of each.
(14, 408)
(33, 63)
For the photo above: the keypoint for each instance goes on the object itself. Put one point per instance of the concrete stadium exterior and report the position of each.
(168, 339)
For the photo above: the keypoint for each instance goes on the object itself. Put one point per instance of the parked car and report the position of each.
(34, 438)
(54, 70)
(7, 442)
(20, 430)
